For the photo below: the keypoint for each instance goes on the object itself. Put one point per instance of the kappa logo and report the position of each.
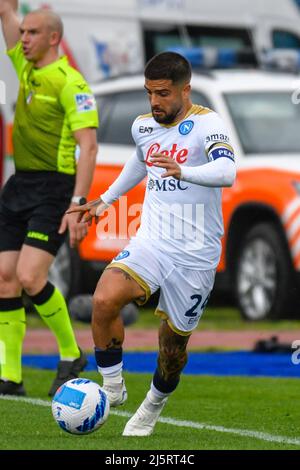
(35, 83)
(186, 127)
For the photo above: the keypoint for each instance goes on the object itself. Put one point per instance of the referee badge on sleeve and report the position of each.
(85, 102)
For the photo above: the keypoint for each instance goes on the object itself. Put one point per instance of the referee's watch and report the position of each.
(80, 200)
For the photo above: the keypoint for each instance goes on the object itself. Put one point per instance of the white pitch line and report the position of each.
(179, 423)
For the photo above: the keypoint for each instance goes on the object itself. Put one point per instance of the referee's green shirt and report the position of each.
(53, 102)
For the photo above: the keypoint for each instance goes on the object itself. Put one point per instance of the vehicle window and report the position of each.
(104, 105)
(266, 122)
(124, 108)
(200, 98)
(157, 40)
(118, 111)
(285, 40)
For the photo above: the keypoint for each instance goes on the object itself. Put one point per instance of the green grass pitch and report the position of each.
(223, 413)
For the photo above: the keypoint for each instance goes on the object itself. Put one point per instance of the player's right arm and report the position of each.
(133, 173)
(10, 22)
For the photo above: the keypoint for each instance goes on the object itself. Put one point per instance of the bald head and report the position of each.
(41, 32)
(52, 21)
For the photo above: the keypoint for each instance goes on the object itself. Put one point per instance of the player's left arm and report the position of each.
(87, 142)
(219, 171)
(82, 116)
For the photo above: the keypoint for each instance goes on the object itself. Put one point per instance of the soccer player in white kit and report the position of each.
(185, 152)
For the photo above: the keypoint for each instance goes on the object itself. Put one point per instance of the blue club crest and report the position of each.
(122, 255)
(186, 127)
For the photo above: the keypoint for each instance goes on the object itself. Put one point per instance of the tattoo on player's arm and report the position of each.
(125, 274)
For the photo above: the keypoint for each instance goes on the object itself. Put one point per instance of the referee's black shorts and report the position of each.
(32, 205)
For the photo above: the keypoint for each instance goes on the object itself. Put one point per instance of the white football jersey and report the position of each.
(183, 219)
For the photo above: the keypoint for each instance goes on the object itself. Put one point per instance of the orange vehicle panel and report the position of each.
(117, 224)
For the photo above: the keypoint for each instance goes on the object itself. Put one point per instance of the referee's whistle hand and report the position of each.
(77, 231)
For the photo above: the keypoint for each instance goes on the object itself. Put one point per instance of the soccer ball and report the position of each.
(80, 406)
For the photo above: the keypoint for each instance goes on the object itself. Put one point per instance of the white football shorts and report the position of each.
(184, 293)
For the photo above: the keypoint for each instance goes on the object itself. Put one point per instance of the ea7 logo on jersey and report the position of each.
(216, 138)
(85, 102)
(145, 130)
(186, 127)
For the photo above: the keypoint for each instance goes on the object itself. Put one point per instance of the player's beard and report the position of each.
(166, 118)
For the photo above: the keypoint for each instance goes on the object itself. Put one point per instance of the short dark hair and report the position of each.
(168, 66)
